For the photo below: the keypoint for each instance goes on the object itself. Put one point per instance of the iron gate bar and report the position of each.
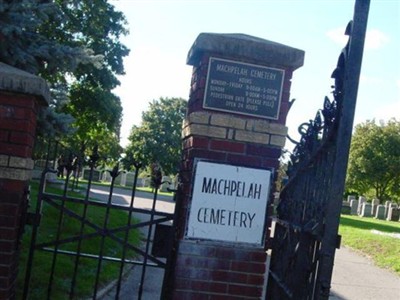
(58, 235)
(99, 230)
(48, 196)
(38, 213)
(350, 87)
(92, 163)
(157, 183)
(114, 173)
(282, 285)
(312, 198)
(108, 258)
(121, 270)
(60, 203)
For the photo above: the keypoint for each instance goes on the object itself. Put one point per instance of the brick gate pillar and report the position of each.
(233, 135)
(21, 94)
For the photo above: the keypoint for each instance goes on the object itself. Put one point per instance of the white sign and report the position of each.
(228, 203)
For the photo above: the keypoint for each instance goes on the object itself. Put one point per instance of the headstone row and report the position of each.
(389, 211)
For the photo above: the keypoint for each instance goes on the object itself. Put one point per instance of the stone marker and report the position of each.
(375, 203)
(393, 214)
(130, 178)
(351, 197)
(387, 205)
(354, 206)
(346, 208)
(167, 183)
(380, 212)
(361, 200)
(366, 209)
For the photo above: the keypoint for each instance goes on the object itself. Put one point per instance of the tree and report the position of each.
(75, 46)
(374, 161)
(158, 138)
(97, 111)
(26, 42)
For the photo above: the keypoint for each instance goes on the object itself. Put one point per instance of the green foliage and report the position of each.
(25, 44)
(374, 161)
(97, 111)
(158, 138)
(358, 233)
(281, 176)
(75, 46)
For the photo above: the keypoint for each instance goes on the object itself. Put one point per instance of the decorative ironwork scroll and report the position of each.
(305, 235)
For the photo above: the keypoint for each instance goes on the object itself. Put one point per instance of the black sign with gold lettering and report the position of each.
(243, 88)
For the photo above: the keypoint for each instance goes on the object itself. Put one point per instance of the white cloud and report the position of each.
(370, 80)
(375, 39)
(391, 109)
(337, 35)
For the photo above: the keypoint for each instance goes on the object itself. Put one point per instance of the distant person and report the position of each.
(60, 166)
(75, 162)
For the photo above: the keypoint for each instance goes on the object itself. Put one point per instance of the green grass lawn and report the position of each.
(358, 233)
(64, 263)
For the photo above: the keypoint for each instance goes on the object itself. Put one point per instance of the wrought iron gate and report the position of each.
(117, 239)
(305, 236)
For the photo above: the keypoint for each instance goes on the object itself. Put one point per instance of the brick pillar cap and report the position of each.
(16, 80)
(246, 46)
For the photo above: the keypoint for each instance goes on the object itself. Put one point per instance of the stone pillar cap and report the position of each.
(16, 80)
(246, 46)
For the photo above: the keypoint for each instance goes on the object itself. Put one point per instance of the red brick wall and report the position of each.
(207, 269)
(17, 131)
(17, 124)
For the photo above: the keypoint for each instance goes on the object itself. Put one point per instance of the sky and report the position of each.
(162, 32)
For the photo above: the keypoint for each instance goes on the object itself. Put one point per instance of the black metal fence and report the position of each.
(85, 236)
(306, 226)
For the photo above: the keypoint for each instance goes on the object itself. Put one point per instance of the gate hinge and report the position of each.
(33, 219)
(269, 243)
(338, 241)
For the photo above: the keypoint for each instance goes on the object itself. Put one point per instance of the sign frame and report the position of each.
(227, 205)
(243, 88)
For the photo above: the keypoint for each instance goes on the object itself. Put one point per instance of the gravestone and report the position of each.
(387, 205)
(393, 214)
(130, 178)
(146, 182)
(351, 197)
(346, 208)
(140, 182)
(361, 201)
(354, 207)
(366, 209)
(167, 182)
(374, 203)
(380, 212)
(95, 177)
(121, 179)
(105, 176)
